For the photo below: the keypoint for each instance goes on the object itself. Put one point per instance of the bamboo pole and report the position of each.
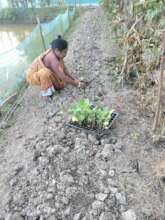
(41, 33)
(160, 87)
(39, 23)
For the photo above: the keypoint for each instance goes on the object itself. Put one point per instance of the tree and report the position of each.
(18, 3)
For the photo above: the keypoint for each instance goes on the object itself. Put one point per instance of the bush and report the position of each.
(8, 14)
(27, 15)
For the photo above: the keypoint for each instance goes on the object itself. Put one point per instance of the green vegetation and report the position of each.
(85, 114)
(8, 14)
(28, 15)
(28, 3)
(137, 27)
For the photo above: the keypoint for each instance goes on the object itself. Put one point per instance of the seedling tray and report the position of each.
(97, 132)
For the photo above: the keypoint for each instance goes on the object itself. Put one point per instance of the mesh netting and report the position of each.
(13, 63)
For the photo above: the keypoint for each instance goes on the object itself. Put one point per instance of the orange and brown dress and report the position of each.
(40, 75)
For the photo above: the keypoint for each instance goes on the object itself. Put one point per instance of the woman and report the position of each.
(49, 72)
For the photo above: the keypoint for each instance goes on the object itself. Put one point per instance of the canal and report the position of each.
(12, 35)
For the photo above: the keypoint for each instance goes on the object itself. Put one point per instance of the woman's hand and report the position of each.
(82, 84)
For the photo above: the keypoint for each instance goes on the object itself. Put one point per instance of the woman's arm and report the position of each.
(81, 84)
(55, 67)
(66, 71)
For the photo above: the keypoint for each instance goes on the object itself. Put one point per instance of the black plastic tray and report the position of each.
(97, 132)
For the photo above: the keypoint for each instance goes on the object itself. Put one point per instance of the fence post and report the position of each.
(39, 23)
(160, 87)
(42, 37)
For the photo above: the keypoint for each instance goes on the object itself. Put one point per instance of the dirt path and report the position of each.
(49, 171)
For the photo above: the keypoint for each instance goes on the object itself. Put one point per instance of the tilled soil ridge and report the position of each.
(51, 171)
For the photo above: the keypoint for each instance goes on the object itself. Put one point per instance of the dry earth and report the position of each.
(50, 171)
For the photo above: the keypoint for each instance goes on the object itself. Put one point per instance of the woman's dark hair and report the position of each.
(59, 44)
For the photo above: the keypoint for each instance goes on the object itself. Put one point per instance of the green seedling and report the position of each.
(83, 113)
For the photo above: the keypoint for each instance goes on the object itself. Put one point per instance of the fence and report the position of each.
(14, 62)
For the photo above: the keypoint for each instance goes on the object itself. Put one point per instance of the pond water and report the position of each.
(11, 64)
(12, 35)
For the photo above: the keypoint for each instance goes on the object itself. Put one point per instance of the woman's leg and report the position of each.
(46, 82)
